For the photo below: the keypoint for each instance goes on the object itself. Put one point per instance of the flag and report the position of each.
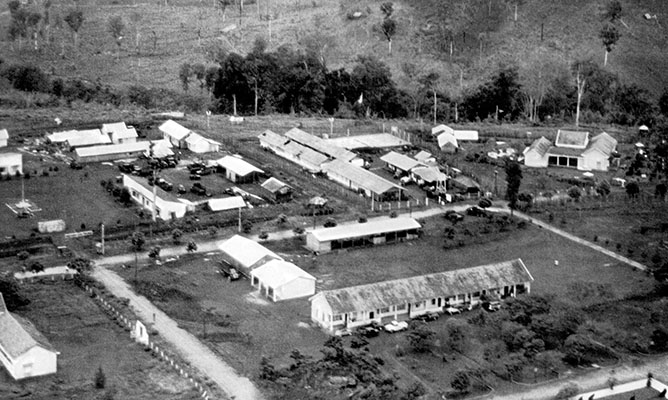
(361, 99)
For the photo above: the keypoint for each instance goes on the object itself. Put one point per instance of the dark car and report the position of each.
(228, 271)
(198, 189)
(164, 185)
(432, 316)
(181, 189)
(75, 165)
(195, 177)
(371, 330)
(476, 211)
(453, 216)
(126, 168)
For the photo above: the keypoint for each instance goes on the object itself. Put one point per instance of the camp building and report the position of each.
(11, 164)
(167, 206)
(293, 151)
(370, 233)
(572, 149)
(282, 280)
(373, 141)
(238, 170)
(24, 351)
(407, 298)
(359, 179)
(323, 146)
(245, 254)
(110, 152)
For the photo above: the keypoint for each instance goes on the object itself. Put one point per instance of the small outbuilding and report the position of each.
(89, 137)
(238, 170)
(4, 137)
(199, 144)
(400, 163)
(175, 133)
(280, 192)
(227, 203)
(118, 132)
(447, 142)
(167, 206)
(24, 351)
(282, 280)
(390, 230)
(110, 152)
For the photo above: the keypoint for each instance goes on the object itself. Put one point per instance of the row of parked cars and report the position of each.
(375, 328)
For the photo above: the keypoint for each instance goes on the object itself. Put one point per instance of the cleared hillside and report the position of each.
(482, 34)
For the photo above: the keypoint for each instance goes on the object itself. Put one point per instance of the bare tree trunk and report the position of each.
(256, 98)
(580, 83)
(234, 104)
(435, 107)
(389, 46)
(456, 112)
(605, 59)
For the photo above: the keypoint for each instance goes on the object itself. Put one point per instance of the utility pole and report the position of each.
(102, 241)
(239, 221)
(496, 174)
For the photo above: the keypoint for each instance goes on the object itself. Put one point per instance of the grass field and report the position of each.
(88, 339)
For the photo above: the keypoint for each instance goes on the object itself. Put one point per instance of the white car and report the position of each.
(343, 332)
(396, 326)
(452, 310)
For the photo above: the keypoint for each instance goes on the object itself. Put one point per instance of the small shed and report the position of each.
(199, 144)
(447, 142)
(227, 203)
(11, 164)
(238, 170)
(280, 192)
(4, 137)
(400, 163)
(282, 280)
(89, 137)
(245, 254)
(120, 133)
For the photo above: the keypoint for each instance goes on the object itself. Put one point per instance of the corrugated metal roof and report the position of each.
(401, 161)
(375, 227)
(430, 174)
(411, 290)
(114, 127)
(442, 128)
(4, 134)
(18, 335)
(124, 134)
(372, 141)
(446, 138)
(276, 273)
(237, 165)
(245, 251)
(359, 176)
(466, 135)
(423, 155)
(577, 139)
(174, 129)
(63, 136)
(293, 148)
(319, 144)
(564, 151)
(227, 203)
(111, 149)
(273, 139)
(540, 146)
(602, 142)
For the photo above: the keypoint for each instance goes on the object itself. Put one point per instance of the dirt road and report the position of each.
(189, 347)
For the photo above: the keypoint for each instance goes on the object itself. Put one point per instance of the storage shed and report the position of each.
(110, 152)
(371, 233)
(282, 280)
(359, 179)
(280, 192)
(238, 170)
(245, 254)
(11, 164)
(175, 133)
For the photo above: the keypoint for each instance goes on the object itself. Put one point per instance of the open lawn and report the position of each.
(87, 339)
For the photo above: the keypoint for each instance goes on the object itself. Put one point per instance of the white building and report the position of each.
(282, 280)
(245, 254)
(24, 351)
(572, 149)
(118, 132)
(167, 206)
(199, 144)
(110, 152)
(406, 298)
(175, 133)
(88, 137)
(4, 137)
(238, 170)
(11, 163)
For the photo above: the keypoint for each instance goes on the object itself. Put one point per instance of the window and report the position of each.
(401, 307)
(476, 294)
(337, 317)
(385, 310)
(433, 302)
(417, 305)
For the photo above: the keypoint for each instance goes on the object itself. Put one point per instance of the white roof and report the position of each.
(63, 136)
(372, 141)
(227, 203)
(114, 127)
(88, 137)
(466, 135)
(276, 273)
(368, 228)
(161, 148)
(124, 134)
(445, 138)
(359, 176)
(237, 165)
(174, 129)
(195, 140)
(643, 128)
(401, 161)
(4, 134)
(111, 149)
(245, 251)
(6, 158)
(441, 128)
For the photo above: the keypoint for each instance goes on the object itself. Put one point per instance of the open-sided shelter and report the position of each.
(400, 163)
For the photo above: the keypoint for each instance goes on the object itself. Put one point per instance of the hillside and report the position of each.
(483, 34)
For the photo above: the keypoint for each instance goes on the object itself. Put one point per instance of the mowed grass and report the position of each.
(74, 196)
(87, 339)
(538, 249)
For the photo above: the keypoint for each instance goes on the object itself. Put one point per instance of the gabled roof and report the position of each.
(442, 128)
(161, 148)
(602, 142)
(124, 134)
(409, 290)
(372, 141)
(274, 185)
(276, 273)
(18, 335)
(193, 140)
(4, 134)
(292, 148)
(350, 231)
(88, 137)
(360, 176)
(174, 130)
(430, 174)
(466, 135)
(423, 156)
(63, 136)
(112, 149)
(573, 139)
(401, 161)
(273, 139)
(445, 139)
(114, 127)
(245, 251)
(237, 165)
(319, 144)
(10, 158)
(539, 146)
(227, 203)
(564, 151)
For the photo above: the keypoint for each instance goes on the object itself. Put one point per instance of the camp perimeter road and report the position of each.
(198, 355)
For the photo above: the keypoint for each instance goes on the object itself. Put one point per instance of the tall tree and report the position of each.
(513, 181)
(609, 36)
(389, 28)
(538, 71)
(74, 19)
(613, 11)
(116, 26)
(185, 70)
(387, 9)
(430, 81)
(581, 72)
